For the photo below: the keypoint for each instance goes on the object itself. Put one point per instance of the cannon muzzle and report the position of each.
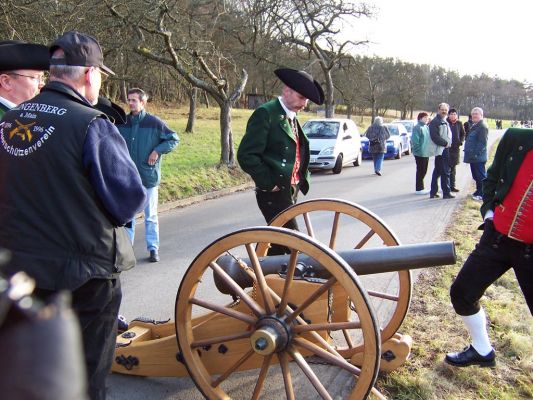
(363, 262)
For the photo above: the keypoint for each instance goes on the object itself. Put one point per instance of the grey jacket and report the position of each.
(439, 133)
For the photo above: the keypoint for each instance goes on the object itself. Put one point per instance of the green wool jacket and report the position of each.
(268, 149)
(513, 147)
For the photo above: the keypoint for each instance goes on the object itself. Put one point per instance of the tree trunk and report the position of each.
(328, 103)
(192, 93)
(227, 154)
(348, 111)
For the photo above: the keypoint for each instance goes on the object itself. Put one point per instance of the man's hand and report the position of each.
(152, 158)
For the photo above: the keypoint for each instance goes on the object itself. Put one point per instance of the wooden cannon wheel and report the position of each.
(345, 212)
(270, 325)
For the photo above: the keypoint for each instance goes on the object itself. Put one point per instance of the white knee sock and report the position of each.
(477, 327)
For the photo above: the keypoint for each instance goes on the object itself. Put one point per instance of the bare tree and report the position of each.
(183, 36)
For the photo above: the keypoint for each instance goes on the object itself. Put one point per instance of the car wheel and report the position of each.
(359, 160)
(408, 149)
(337, 169)
(400, 151)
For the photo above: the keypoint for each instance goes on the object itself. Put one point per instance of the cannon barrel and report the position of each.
(363, 262)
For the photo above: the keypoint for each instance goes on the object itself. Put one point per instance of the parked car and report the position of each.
(334, 142)
(408, 123)
(397, 145)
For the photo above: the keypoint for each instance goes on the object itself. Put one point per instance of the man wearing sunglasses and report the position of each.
(22, 67)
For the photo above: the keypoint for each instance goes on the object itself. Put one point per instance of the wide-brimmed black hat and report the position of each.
(115, 113)
(303, 83)
(15, 54)
(80, 50)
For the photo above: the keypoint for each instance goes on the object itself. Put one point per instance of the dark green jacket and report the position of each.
(511, 151)
(3, 110)
(268, 149)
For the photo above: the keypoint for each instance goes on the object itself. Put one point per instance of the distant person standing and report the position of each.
(476, 150)
(458, 137)
(377, 136)
(468, 124)
(148, 138)
(420, 146)
(441, 138)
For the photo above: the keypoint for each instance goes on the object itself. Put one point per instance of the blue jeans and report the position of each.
(378, 160)
(151, 223)
(478, 174)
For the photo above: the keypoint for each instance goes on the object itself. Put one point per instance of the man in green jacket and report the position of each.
(275, 150)
(147, 138)
(22, 67)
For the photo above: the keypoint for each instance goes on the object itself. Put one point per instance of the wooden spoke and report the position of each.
(309, 225)
(288, 282)
(228, 280)
(363, 241)
(334, 230)
(307, 302)
(334, 326)
(383, 295)
(263, 287)
(320, 352)
(232, 369)
(295, 354)
(286, 372)
(224, 310)
(220, 339)
(262, 376)
(348, 339)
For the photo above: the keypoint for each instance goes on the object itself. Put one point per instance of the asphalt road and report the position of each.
(150, 289)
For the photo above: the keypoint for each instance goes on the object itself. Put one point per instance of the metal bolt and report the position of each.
(261, 344)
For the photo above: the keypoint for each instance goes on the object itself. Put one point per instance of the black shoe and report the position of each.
(378, 173)
(154, 256)
(434, 196)
(469, 356)
(455, 190)
(448, 196)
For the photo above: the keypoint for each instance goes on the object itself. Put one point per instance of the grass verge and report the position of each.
(436, 330)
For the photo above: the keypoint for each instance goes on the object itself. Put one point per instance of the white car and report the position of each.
(334, 142)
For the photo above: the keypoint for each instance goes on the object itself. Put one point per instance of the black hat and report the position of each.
(115, 113)
(303, 83)
(20, 55)
(80, 50)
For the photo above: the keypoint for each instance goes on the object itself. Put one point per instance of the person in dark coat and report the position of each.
(274, 151)
(377, 136)
(476, 150)
(458, 137)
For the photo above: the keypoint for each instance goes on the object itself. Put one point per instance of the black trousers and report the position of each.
(271, 204)
(442, 171)
(96, 304)
(421, 170)
(493, 256)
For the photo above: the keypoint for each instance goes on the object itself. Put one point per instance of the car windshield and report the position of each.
(321, 129)
(408, 125)
(393, 129)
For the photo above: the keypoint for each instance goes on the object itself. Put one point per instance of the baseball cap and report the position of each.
(80, 50)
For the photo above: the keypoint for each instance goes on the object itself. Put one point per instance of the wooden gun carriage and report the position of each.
(287, 313)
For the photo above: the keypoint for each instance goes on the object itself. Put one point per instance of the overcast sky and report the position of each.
(468, 36)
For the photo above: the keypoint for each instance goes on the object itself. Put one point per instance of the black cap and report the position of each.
(303, 83)
(115, 113)
(15, 54)
(80, 50)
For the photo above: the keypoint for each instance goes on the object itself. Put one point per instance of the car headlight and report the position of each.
(328, 151)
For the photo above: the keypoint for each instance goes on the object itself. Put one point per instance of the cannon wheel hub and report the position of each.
(272, 335)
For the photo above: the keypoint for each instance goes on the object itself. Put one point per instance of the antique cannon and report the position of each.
(308, 307)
